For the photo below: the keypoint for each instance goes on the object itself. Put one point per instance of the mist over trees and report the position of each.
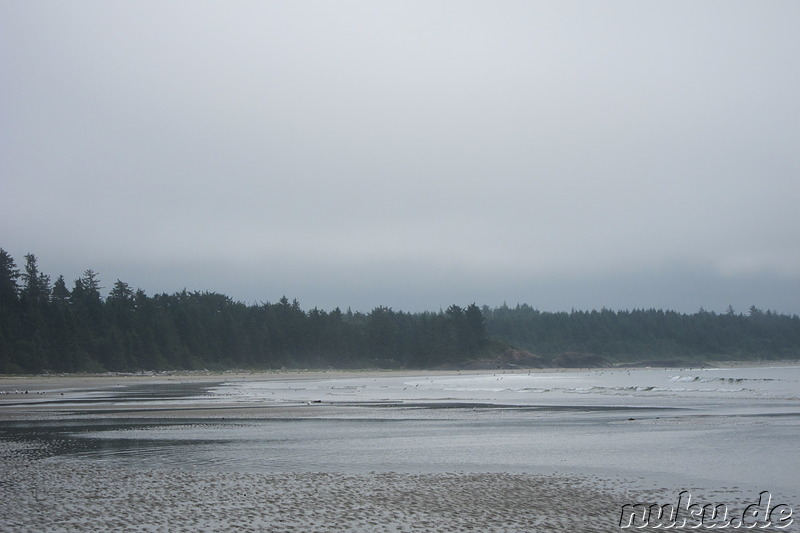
(47, 326)
(648, 334)
(53, 326)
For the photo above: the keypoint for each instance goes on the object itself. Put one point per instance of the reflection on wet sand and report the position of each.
(390, 452)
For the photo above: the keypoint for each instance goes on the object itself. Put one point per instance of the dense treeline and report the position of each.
(648, 334)
(48, 326)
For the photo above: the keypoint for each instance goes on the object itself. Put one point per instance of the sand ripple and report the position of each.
(54, 496)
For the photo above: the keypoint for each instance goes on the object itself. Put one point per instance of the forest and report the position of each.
(48, 326)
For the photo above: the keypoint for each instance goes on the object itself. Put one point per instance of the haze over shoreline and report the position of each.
(409, 154)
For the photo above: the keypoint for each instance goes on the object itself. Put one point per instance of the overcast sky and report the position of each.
(624, 154)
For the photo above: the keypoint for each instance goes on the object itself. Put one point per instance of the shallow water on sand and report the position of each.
(717, 429)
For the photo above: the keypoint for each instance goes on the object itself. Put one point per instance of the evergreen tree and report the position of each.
(52, 328)
(10, 326)
(60, 295)
(476, 328)
(9, 275)
(36, 285)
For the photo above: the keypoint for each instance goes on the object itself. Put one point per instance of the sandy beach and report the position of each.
(39, 496)
(39, 492)
(42, 495)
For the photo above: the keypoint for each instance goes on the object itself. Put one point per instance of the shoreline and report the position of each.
(99, 488)
(315, 373)
(56, 395)
(81, 381)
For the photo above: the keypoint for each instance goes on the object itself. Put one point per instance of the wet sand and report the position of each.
(40, 496)
(37, 494)
(24, 397)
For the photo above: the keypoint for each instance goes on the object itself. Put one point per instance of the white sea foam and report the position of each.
(709, 431)
(664, 386)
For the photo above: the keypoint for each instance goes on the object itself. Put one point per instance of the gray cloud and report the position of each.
(411, 154)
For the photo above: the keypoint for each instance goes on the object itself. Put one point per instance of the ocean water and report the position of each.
(732, 429)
